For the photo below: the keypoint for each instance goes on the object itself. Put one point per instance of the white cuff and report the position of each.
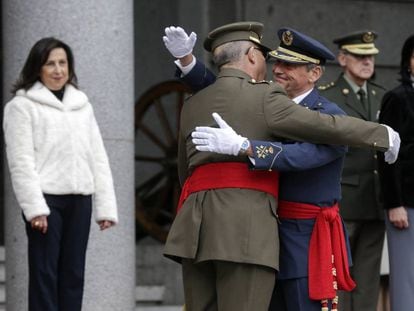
(185, 69)
(390, 135)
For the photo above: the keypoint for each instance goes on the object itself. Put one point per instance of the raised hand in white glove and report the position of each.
(391, 155)
(222, 140)
(178, 42)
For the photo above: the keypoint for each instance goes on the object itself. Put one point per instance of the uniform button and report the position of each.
(375, 156)
(375, 172)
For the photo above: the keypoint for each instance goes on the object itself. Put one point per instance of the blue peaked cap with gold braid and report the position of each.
(298, 48)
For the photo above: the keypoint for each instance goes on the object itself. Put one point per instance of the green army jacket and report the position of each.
(360, 183)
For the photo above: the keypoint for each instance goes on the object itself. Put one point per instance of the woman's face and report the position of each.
(54, 74)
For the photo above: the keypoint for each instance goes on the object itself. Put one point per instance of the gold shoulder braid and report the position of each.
(326, 86)
(253, 81)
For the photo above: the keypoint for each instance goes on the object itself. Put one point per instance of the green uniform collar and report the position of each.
(354, 86)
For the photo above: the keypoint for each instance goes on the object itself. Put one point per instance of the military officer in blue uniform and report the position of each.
(310, 173)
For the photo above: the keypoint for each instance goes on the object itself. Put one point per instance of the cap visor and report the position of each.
(277, 55)
(359, 51)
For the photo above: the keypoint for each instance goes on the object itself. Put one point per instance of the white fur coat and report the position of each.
(55, 147)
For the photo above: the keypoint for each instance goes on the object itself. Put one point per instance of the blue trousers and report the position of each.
(293, 295)
(57, 258)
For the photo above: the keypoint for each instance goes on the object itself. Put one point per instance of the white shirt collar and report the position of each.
(299, 98)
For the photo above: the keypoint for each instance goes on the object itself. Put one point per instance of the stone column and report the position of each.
(100, 32)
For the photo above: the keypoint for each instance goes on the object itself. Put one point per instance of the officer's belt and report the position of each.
(327, 248)
(229, 175)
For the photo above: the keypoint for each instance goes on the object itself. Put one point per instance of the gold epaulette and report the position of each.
(326, 86)
(253, 81)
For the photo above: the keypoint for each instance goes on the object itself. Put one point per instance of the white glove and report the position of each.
(222, 140)
(178, 42)
(391, 155)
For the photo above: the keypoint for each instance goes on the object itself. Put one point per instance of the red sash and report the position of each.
(229, 175)
(327, 248)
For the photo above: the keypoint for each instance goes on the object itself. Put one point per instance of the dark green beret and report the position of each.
(240, 31)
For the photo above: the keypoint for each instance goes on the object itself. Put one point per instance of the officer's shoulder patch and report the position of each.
(326, 86)
(376, 85)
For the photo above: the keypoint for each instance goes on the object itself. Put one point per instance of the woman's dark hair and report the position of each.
(37, 58)
(406, 53)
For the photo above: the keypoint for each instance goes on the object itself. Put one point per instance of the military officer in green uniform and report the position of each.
(360, 207)
(225, 233)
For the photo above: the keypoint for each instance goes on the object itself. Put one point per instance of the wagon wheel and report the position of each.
(157, 114)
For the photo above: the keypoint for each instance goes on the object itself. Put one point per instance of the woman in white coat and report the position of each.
(59, 169)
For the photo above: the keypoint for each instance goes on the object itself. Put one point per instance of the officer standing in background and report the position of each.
(358, 96)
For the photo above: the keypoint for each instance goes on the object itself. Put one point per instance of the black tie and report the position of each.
(362, 99)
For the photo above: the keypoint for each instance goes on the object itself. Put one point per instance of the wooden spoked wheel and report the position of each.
(157, 189)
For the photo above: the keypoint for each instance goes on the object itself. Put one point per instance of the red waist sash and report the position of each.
(327, 248)
(229, 175)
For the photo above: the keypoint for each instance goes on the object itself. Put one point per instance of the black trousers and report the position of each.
(57, 258)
